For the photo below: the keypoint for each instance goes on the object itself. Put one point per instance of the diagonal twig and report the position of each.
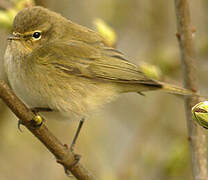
(195, 133)
(60, 151)
(5, 4)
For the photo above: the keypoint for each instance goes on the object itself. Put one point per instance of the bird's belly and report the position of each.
(82, 96)
(24, 92)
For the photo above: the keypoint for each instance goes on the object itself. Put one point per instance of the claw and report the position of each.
(68, 173)
(141, 93)
(37, 121)
(19, 125)
(41, 109)
(77, 158)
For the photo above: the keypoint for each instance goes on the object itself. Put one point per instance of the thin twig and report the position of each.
(63, 155)
(195, 133)
(5, 4)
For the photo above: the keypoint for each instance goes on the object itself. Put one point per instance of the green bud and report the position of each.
(106, 32)
(7, 16)
(200, 113)
(151, 71)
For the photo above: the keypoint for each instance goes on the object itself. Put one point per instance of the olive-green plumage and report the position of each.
(53, 62)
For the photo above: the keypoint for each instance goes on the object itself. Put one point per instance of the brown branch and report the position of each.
(195, 133)
(5, 4)
(60, 151)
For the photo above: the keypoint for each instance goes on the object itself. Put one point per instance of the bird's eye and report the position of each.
(36, 35)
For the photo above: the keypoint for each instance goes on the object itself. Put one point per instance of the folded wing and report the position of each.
(89, 61)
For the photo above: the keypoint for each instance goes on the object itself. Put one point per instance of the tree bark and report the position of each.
(196, 136)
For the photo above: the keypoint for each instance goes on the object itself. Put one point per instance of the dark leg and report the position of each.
(77, 134)
(41, 109)
(77, 156)
(68, 173)
(19, 125)
(141, 93)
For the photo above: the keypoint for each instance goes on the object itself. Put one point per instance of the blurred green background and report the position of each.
(135, 137)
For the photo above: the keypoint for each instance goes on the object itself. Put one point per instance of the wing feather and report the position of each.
(82, 59)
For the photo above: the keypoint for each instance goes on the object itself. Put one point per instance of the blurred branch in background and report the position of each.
(196, 136)
(5, 4)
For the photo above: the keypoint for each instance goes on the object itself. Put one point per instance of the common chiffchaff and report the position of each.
(54, 63)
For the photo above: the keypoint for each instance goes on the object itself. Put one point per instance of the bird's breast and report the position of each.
(19, 76)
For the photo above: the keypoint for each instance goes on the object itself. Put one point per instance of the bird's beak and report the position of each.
(14, 37)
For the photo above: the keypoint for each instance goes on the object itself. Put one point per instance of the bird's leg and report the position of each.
(19, 125)
(77, 134)
(38, 119)
(141, 93)
(77, 156)
(41, 109)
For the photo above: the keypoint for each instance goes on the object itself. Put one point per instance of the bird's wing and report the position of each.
(85, 60)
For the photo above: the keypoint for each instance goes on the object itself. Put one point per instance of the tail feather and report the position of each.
(169, 88)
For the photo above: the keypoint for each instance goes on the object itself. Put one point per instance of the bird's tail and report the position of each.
(173, 89)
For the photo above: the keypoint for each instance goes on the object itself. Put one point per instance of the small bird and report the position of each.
(54, 63)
